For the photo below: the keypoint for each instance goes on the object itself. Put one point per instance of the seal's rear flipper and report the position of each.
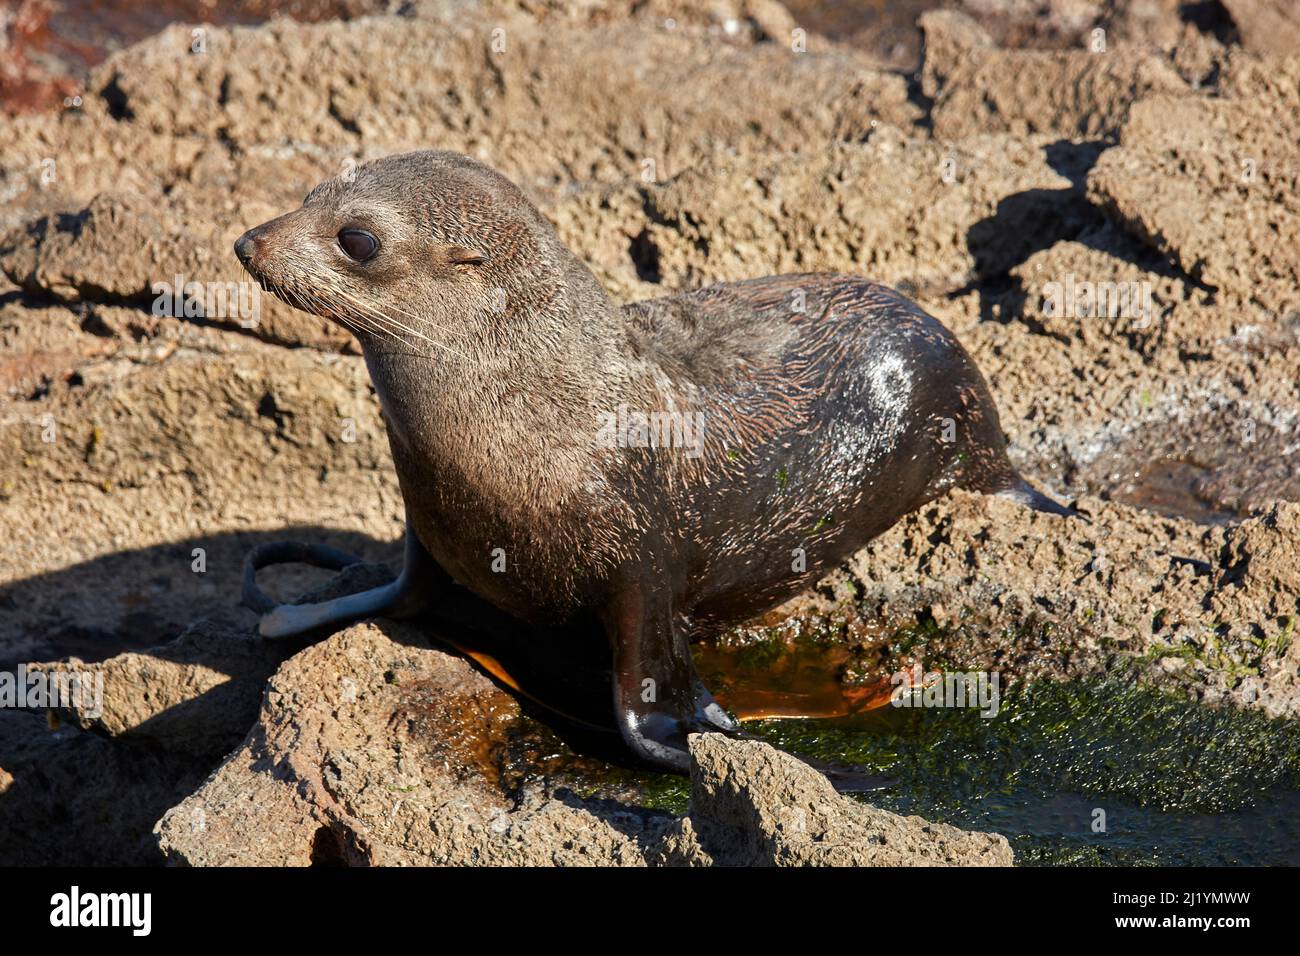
(397, 599)
(1029, 496)
(286, 552)
(288, 620)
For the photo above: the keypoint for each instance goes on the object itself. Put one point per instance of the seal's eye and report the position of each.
(358, 244)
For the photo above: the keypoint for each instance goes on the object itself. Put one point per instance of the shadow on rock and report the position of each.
(145, 597)
(171, 710)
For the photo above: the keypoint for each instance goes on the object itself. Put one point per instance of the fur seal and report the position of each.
(664, 470)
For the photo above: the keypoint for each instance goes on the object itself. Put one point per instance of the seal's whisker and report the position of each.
(309, 303)
(427, 322)
(356, 321)
(377, 315)
(370, 320)
(312, 303)
(376, 322)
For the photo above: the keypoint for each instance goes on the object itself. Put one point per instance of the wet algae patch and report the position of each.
(1095, 771)
(1090, 772)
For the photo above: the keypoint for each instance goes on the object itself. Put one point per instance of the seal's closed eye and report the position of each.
(358, 244)
(619, 560)
(461, 256)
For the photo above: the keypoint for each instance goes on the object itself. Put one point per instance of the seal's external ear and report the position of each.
(461, 256)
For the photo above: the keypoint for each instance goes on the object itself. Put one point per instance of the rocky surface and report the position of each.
(1071, 93)
(753, 806)
(1211, 610)
(142, 454)
(375, 748)
(372, 748)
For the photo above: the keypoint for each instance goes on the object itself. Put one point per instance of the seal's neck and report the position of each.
(518, 389)
(501, 338)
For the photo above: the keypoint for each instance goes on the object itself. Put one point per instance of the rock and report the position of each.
(769, 17)
(117, 217)
(373, 747)
(116, 251)
(771, 20)
(1063, 24)
(1209, 182)
(1258, 593)
(197, 694)
(71, 798)
(752, 805)
(906, 211)
(1266, 26)
(1128, 581)
(978, 88)
(167, 716)
(154, 480)
(1104, 286)
(287, 118)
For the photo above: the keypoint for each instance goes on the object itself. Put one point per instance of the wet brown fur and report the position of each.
(824, 400)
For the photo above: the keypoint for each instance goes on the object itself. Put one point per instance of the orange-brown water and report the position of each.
(803, 682)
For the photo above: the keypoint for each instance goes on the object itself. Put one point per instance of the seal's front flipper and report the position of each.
(658, 698)
(398, 599)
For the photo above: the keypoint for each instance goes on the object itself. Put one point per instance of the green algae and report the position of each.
(1086, 772)
(1174, 781)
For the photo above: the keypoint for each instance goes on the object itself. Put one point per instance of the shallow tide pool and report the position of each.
(1095, 772)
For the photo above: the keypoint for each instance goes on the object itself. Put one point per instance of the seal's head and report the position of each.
(410, 247)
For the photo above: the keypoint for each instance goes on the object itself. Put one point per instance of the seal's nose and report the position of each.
(246, 247)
